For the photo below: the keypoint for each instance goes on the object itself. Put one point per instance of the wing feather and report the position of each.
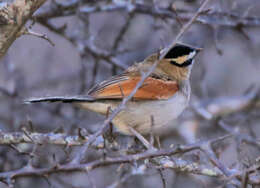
(118, 88)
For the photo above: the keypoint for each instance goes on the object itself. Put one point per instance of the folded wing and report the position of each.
(121, 86)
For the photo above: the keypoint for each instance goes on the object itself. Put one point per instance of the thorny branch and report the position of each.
(210, 17)
(214, 108)
(163, 162)
(48, 138)
(13, 17)
(158, 159)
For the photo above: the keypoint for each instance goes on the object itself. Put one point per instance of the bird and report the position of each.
(163, 96)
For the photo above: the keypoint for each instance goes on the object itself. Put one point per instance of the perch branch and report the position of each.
(148, 154)
(45, 138)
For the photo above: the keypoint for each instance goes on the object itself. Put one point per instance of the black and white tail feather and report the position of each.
(64, 99)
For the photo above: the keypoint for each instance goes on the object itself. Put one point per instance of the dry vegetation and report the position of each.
(71, 45)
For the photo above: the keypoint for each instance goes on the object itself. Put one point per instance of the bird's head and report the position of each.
(177, 62)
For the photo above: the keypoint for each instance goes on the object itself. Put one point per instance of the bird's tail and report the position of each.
(65, 99)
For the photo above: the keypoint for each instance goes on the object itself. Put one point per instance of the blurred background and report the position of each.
(97, 39)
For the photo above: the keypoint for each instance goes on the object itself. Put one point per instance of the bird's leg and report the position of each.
(141, 138)
(152, 131)
(157, 138)
(109, 134)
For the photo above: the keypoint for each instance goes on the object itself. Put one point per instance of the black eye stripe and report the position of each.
(185, 64)
(178, 51)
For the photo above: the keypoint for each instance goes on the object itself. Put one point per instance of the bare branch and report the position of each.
(33, 33)
(211, 17)
(48, 138)
(227, 105)
(73, 167)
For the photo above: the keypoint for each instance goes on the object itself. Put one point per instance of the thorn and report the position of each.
(30, 124)
(215, 30)
(28, 31)
(240, 28)
(206, 11)
(246, 13)
(82, 133)
(27, 134)
(45, 177)
(10, 182)
(59, 129)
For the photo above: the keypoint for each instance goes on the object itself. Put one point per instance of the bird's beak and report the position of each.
(198, 50)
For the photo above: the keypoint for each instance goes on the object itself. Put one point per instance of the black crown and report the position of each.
(179, 50)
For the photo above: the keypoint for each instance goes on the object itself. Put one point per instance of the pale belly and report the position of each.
(139, 114)
(150, 116)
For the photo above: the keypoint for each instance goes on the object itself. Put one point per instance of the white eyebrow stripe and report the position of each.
(192, 54)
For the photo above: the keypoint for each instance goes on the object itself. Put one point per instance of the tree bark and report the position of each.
(13, 18)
